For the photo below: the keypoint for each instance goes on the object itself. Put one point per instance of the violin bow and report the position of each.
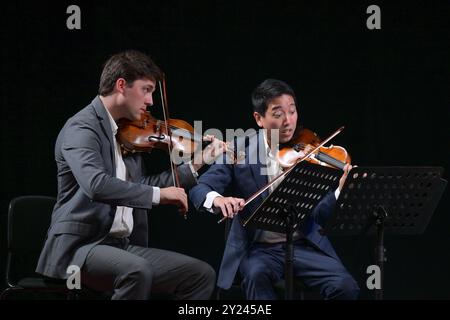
(165, 107)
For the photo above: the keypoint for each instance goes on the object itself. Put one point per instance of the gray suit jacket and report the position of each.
(88, 191)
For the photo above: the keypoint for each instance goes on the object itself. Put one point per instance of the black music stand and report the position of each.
(398, 200)
(290, 203)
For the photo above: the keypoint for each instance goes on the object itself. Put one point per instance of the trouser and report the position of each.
(264, 266)
(134, 272)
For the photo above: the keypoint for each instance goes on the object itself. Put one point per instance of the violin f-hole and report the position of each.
(161, 137)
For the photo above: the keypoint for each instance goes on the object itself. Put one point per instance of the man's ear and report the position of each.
(258, 118)
(120, 85)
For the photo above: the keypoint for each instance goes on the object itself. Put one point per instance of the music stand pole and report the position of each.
(289, 255)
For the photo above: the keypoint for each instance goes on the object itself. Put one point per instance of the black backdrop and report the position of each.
(389, 87)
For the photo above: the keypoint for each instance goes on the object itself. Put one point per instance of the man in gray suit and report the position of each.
(99, 222)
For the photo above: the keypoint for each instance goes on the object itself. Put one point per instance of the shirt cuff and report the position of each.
(210, 199)
(156, 195)
(337, 193)
(194, 173)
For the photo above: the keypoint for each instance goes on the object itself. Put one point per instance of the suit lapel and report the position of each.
(132, 166)
(106, 128)
(256, 150)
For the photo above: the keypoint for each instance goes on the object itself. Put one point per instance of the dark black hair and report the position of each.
(130, 65)
(268, 90)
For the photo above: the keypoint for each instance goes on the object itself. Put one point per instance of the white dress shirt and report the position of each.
(123, 219)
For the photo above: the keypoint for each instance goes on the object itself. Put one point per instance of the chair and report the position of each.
(28, 221)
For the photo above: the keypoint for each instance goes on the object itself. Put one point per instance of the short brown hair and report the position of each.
(130, 65)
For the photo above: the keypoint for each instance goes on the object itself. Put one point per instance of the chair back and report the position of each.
(28, 221)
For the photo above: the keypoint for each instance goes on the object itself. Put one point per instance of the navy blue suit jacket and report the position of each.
(243, 180)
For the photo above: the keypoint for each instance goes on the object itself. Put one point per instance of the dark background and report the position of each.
(389, 87)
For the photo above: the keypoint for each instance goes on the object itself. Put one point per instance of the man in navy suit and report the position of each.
(258, 255)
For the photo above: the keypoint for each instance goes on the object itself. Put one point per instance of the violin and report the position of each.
(305, 140)
(148, 133)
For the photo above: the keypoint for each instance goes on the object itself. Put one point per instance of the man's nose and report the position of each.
(290, 120)
(149, 101)
(287, 120)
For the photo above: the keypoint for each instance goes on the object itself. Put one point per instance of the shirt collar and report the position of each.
(114, 126)
(266, 145)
